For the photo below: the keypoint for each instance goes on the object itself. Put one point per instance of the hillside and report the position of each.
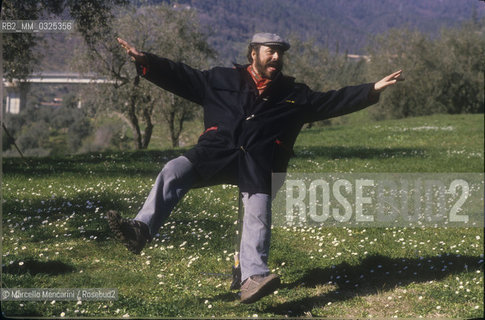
(346, 26)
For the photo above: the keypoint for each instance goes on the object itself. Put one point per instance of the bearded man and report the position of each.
(252, 117)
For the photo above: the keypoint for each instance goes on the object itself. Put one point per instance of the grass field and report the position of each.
(55, 235)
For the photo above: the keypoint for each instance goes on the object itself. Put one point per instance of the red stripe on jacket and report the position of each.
(209, 129)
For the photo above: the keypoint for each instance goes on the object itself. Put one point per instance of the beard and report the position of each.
(266, 69)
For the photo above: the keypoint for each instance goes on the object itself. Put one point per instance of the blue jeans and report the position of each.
(256, 234)
(176, 179)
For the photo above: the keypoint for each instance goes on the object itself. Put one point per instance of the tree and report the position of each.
(19, 58)
(443, 75)
(66, 115)
(34, 136)
(463, 67)
(320, 69)
(174, 112)
(160, 29)
(78, 130)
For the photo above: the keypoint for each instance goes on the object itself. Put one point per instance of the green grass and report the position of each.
(55, 235)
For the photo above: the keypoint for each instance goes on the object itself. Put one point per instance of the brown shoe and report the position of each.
(132, 233)
(256, 287)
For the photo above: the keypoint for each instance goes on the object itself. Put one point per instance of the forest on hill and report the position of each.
(345, 26)
(340, 26)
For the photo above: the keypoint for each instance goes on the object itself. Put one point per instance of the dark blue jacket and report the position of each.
(248, 136)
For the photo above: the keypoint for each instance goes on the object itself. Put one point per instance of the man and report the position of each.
(252, 117)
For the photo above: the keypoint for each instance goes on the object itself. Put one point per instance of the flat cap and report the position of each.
(270, 39)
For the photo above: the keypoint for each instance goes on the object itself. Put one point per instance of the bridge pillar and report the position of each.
(16, 97)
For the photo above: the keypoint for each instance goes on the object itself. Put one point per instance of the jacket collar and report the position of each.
(261, 83)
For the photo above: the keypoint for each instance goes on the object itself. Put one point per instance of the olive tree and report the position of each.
(160, 29)
(321, 69)
(443, 75)
(19, 55)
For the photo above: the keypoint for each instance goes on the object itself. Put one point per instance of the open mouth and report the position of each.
(271, 67)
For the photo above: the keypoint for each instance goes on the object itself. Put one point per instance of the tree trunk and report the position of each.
(171, 126)
(180, 127)
(149, 128)
(134, 121)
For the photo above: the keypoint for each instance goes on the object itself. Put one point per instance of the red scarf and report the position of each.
(261, 83)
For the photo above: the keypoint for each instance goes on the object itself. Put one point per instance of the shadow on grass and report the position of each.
(150, 162)
(83, 216)
(225, 297)
(81, 213)
(373, 275)
(339, 152)
(34, 267)
(110, 164)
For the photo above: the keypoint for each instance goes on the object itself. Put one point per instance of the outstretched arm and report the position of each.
(348, 99)
(176, 77)
(391, 79)
(135, 55)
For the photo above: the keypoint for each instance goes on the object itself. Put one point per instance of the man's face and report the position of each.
(268, 61)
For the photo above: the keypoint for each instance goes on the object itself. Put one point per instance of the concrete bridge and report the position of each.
(16, 90)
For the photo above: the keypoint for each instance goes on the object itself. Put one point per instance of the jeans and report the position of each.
(176, 179)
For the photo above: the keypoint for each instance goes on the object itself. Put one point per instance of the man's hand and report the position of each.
(388, 81)
(132, 52)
